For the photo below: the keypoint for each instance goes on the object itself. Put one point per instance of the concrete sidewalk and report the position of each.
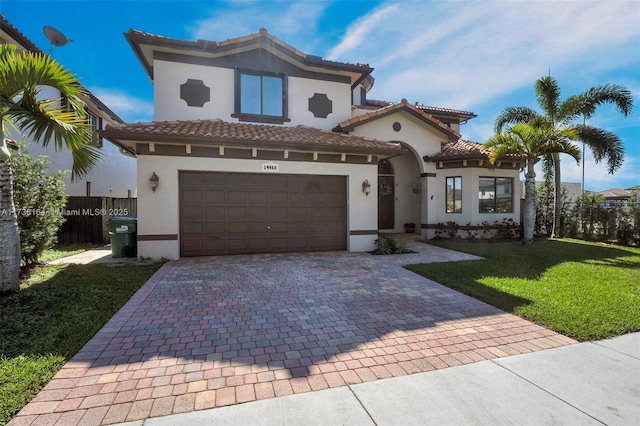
(586, 383)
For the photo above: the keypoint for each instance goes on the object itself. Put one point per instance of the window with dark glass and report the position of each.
(260, 97)
(454, 194)
(495, 195)
(96, 124)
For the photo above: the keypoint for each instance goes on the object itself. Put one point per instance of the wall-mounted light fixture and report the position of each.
(366, 187)
(154, 181)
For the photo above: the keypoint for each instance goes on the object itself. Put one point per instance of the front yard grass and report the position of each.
(586, 291)
(58, 309)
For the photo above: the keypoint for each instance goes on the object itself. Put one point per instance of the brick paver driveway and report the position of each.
(208, 332)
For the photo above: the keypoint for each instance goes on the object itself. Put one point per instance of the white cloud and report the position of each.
(286, 20)
(462, 54)
(360, 32)
(596, 175)
(130, 108)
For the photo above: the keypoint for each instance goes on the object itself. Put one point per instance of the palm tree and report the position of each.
(22, 75)
(532, 141)
(559, 114)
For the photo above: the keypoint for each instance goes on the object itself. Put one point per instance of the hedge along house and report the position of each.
(257, 147)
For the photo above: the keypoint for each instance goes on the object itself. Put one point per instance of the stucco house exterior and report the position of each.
(115, 173)
(257, 147)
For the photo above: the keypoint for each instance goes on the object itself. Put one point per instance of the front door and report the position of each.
(386, 195)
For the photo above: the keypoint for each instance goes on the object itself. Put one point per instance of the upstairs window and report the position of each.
(495, 195)
(261, 97)
(96, 124)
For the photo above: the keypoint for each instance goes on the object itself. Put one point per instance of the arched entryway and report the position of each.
(386, 195)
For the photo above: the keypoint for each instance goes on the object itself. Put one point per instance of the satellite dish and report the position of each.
(56, 38)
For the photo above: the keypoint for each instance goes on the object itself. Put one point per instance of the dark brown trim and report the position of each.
(231, 152)
(428, 175)
(253, 60)
(137, 39)
(116, 136)
(158, 237)
(366, 232)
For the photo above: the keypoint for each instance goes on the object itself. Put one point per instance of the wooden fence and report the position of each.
(86, 218)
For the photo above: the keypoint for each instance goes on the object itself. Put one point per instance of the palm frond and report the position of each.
(604, 145)
(614, 94)
(513, 115)
(21, 77)
(548, 96)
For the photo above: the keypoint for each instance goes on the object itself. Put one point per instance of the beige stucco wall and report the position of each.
(158, 213)
(168, 76)
(470, 197)
(422, 140)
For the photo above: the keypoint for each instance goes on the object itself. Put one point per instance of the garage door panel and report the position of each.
(236, 228)
(236, 213)
(297, 227)
(278, 214)
(297, 199)
(258, 197)
(237, 197)
(215, 213)
(334, 213)
(277, 181)
(279, 244)
(191, 196)
(190, 213)
(229, 213)
(278, 227)
(214, 180)
(278, 198)
(214, 228)
(258, 212)
(258, 227)
(214, 246)
(297, 213)
(191, 228)
(188, 179)
(214, 196)
(235, 180)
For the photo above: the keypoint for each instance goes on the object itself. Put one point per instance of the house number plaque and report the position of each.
(270, 167)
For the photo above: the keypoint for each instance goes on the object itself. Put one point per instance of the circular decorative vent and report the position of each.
(397, 126)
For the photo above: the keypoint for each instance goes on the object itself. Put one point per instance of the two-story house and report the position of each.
(115, 173)
(257, 147)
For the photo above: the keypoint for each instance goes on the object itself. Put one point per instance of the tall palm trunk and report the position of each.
(10, 254)
(556, 231)
(529, 218)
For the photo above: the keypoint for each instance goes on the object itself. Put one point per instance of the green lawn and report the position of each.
(64, 250)
(583, 290)
(57, 311)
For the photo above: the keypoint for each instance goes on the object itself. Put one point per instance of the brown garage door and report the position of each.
(234, 213)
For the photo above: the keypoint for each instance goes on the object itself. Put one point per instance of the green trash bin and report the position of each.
(122, 235)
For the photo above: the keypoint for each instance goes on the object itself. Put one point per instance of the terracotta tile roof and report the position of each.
(353, 122)
(425, 108)
(218, 131)
(461, 150)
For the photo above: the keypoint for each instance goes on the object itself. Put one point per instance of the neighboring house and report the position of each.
(573, 190)
(620, 196)
(258, 147)
(115, 174)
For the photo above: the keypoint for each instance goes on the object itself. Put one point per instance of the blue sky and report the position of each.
(479, 56)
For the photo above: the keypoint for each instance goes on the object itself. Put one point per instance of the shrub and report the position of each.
(39, 200)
